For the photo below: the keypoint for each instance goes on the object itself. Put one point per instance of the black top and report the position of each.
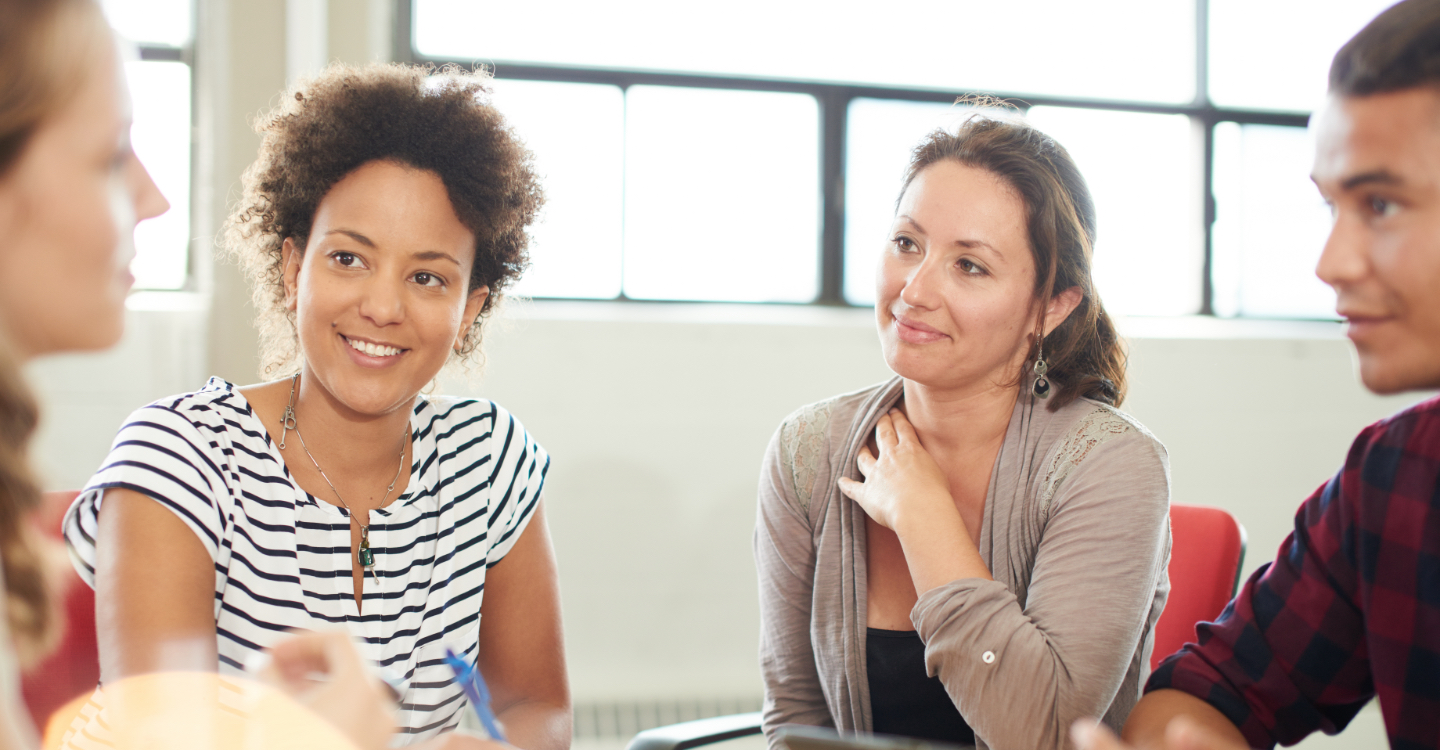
(903, 699)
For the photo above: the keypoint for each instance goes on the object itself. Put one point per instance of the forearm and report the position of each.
(938, 548)
(537, 725)
(1146, 726)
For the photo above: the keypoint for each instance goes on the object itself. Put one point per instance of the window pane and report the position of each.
(1275, 54)
(161, 135)
(577, 133)
(880, 135)
(1144, 173)
(1134, 49)
(721, 195)
(165, 22)
(1270, 224)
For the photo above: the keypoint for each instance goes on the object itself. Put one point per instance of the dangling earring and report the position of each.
(1041, 389)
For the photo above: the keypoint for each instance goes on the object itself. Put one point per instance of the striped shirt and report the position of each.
(283, 558)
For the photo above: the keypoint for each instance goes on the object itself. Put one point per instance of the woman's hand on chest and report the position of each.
(905, 490)
(903, 486)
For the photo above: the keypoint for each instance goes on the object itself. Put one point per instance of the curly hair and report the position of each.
(1085, 353)
(439, 120)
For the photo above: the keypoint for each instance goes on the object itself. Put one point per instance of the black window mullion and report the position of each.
(1207, 170)
(834, 109)
(1207, 193)
(403, 43)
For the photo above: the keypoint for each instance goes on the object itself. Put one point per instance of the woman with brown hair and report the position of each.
(974, 551)
(71, 192)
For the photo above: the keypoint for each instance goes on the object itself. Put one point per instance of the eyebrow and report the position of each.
(435, 255)
(367, 242)
(1374, 177)
(968, 244)
(360, 238)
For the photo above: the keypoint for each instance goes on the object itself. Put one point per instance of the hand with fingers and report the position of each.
(324, 672)
(905, 491)
(903, 484)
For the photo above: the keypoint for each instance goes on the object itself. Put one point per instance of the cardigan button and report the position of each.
(988, 657)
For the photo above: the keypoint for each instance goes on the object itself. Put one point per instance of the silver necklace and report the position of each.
(287, 423)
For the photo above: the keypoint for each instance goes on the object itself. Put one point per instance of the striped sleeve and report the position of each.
(520, 465)
(162, 454)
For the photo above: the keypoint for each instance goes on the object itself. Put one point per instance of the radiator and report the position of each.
(622, 720)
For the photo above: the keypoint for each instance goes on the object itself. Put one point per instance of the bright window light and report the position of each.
(160, 92)
(1275, 54)
(1270, 224)
(1143, 171)
(577, 133)
(1131, 50)
(162, 22)
(880, 136)
(722, 195)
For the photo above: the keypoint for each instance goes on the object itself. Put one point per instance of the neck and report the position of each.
(951, 422)
(343, 440)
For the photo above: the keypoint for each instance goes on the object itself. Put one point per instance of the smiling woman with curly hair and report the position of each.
(350, 117)
(387, 211)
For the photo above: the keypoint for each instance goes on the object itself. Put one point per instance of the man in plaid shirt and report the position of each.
(1350, 609)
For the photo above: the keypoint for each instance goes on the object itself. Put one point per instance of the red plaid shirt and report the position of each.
(1349, 610)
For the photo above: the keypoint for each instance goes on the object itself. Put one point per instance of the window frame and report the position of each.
(151, 52)
(834, 100)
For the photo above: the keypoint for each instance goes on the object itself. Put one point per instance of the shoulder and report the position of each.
(217, 407)
(1415, 430)
(449, 414)
(1092, 430)
(804, 442)
(464, 425)
(805, 436)
(1398, 453)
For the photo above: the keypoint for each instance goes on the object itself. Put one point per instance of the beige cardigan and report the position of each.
(1076, 534)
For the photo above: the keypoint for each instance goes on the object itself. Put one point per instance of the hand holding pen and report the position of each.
(468, 677)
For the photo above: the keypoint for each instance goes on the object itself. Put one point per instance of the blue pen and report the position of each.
(471, 681)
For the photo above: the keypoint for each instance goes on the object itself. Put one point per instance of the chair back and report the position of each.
(73, 669)
(1206, 551)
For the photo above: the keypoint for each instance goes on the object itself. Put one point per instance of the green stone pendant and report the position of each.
(367, 558)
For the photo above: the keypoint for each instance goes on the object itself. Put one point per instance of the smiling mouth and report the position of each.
(372, 350)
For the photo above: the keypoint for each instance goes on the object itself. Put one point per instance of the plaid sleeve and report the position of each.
(1289, 655)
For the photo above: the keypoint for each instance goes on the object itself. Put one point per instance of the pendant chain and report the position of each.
(287, 423)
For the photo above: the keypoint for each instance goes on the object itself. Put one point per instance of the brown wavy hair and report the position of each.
(435, 119)
(40, 71)
(1085, 354)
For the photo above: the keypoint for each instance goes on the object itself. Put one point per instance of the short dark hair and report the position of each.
(1399, 49)
(325, 127)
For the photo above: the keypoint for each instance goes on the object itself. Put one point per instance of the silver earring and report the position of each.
(1041, 388)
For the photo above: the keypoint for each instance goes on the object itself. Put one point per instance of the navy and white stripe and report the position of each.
(282, 557)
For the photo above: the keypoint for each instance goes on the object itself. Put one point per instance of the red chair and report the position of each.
(1206, 551)
(73, 669)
